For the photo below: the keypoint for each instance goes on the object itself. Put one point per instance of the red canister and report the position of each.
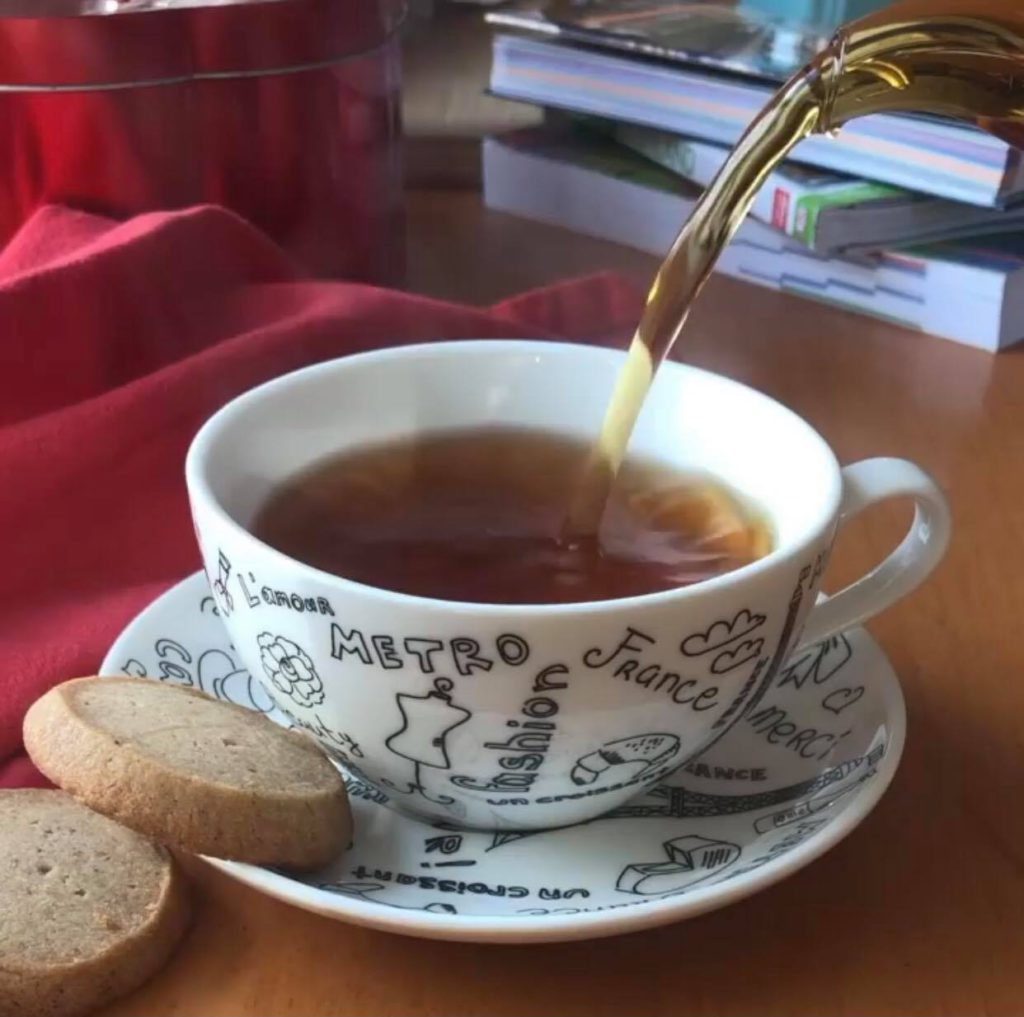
(284, 111)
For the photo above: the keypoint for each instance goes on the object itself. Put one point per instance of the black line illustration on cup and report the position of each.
(782, 647)
(842, 699)
(820, 564)
(721, 633)
(691, 860)
(290, 669)
(818, 663)
(750, 693)
(642, 754)
(251, 599)
(220, 585)
(737, 656)
(362, 891)
(427, 721)
(338, 744)
(365, 788)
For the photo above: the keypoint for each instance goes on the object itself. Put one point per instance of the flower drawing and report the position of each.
(290, 669)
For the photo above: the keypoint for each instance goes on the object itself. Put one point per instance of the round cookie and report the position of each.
(89, 910)
(190, 771)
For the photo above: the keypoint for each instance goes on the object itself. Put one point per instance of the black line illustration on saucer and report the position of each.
(427, 721)
(691, 860)
(447, 844)
(358, 786)
(290, 669)
(818, 664)
(339, 745)
(220, 585)
(737, 656)
(664, 802)
(641, 753)
(817, 802)
(362, 891)
(214, 671)
(218, 674)
(842, 699)
(341, 741)
(174, 662)
(803, 831)
(721, 633)
(678, 802)
(502, 837)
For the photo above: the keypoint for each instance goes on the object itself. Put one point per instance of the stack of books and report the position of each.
(914, 219)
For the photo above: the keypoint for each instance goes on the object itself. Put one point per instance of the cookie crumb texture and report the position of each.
(89, 910)
(191, 772)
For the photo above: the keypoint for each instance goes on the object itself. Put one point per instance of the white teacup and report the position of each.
(509, 717)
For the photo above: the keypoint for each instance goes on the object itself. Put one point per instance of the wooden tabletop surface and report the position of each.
(921, 909)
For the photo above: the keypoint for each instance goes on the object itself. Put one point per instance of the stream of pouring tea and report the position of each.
(956, 59)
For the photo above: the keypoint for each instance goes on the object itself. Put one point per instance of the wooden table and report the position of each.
(921, 909)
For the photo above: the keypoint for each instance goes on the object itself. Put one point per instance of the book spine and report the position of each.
(809, 206)
(916, 292)
(793, 207)
(777, 203)
(947, 160)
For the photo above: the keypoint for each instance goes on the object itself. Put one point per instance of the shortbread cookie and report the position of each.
(89, 909)
(190, 771)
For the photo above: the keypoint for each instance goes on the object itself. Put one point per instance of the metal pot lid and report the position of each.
(75, 44)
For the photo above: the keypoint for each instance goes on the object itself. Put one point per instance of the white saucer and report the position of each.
(776, 792)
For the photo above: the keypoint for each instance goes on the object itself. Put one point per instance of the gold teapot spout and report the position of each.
(955, 58)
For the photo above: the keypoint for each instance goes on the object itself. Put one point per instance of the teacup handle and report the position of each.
(864, 484)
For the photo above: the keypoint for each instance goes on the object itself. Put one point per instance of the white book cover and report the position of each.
(970, 293)
(828, 212)
(945, 158)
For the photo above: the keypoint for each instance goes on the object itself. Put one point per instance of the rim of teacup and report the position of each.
(205, 438)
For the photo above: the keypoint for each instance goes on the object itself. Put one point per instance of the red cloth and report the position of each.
(116, 342)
